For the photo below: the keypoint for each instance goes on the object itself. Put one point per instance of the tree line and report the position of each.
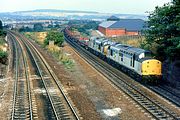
(53, 35)
(84, 26)
(38, 27)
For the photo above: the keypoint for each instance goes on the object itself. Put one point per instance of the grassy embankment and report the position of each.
(57, 52)
(3, 51)
(129, 40)
(2, 42)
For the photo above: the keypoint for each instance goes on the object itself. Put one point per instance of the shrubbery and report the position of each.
(3, 57)
(55, 36)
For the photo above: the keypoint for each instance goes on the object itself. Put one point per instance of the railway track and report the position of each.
(22, 100)
(61, 106)
(167, 93)
(153, 107)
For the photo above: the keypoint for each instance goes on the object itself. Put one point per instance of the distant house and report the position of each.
(113, 18)
(119, 27)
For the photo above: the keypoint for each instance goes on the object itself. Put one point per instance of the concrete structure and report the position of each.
(118, 27)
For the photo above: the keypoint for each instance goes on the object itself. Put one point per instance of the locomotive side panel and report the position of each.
(138, 67)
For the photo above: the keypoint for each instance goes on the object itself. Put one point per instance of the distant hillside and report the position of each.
(66, 14)
(54, 10)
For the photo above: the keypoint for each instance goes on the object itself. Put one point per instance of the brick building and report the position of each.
(118, 27)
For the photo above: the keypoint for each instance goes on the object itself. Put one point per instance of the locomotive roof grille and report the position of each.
(98, 41)
(128, 49)
(143, 59)
(107, 42)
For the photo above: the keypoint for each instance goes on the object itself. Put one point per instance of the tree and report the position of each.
(25, 29)
(91, 25)
(50, 26)
(1, 26)
(164, 31)
(57, 26)
(1, 29)
(3, 57)
(38, 27)
(55, 36)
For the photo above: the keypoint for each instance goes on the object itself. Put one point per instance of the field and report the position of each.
(57, 52)
(37, 36)
(3, 44)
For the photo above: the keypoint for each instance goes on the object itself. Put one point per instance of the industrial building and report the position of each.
(118, 27)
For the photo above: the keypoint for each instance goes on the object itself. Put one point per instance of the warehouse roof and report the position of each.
(129, 24)
(107, 24)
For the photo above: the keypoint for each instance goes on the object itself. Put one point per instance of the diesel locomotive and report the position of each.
(136, 62)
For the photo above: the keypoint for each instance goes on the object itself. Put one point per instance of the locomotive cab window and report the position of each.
(148, 54)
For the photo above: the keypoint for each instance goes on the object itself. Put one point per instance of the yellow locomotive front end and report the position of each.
(151, 70)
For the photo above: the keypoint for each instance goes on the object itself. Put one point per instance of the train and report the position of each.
(136, 62)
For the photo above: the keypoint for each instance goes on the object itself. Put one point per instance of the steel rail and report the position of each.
(16, 79)
(26, 76)
(28, 80)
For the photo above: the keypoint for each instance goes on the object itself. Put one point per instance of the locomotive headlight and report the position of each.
(141, 55)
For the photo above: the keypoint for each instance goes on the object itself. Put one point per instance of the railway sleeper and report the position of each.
(20, 115)
(165, 117)
(135, 95)
(152, 109)
(147, 104)
(57, 99)
(61, 108)
(57, 102)
(62, 111)
(156, 112)
(20, 111)
(18, 108)
(144, 102)
(63, 115)
(139, 99)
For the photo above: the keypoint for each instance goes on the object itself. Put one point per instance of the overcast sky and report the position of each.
(104, 6)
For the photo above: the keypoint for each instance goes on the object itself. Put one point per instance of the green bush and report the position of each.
(55, 36)
(3, 57)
